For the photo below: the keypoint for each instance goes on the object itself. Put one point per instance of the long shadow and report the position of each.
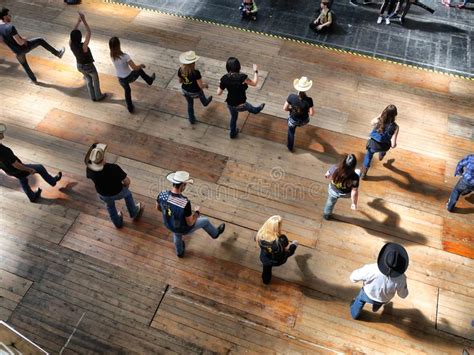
(432, 27)
(389, 226)
(469, 199)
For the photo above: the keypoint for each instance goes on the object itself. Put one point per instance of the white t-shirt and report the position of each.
(121, 66)
(379, 287)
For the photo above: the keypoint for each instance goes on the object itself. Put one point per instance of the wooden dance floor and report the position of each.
(67, 273)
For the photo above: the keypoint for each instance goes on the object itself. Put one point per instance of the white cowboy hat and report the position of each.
(302, 84)
(179, 177)
(3, 128)
(188, 57)
(95, 157)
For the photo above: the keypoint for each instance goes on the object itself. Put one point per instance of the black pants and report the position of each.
(388, 5)
(125, 82)
(267, 274)
(28, 47)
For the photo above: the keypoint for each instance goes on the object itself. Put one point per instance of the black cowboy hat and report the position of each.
(392, 260)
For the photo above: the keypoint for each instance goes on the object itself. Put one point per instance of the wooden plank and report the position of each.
(15, 341)
(455, 314)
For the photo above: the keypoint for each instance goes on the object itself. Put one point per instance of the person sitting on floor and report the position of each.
(324, 20)
(248, 10)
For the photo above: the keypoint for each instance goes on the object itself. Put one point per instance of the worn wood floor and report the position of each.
(64, 268)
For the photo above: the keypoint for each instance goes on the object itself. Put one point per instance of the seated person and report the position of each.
(324, 20)
(248, 9)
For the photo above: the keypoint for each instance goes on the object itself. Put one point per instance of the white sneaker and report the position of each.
(387, 21)
(379, 20)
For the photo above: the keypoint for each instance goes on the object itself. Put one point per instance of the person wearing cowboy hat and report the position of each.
(300, 107)
(111, 183)
(236, 84)
(381, 280)
(177, 213)
(13, 166)
(191, 83)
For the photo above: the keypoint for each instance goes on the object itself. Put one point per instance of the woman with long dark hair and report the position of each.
(344, 183)
(191, 83)
(127, 71)
(300, 107)
(383, 136)
(84, 59)
(236, 84)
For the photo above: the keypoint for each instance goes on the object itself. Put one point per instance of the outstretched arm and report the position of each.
(85, 45)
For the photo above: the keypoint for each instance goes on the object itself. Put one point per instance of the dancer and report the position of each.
(344, 183)
(177, 213)
(191, 83)
(300, 107)
(381, 280)
(111, 183)
(248, 10)
(324, 20)
(84, 59)
(123, 63)
(236, 84)
(274, 246)
(21, 46)
(382, 138)
(465, 185)
(463, 5)
(389, 6)
(13, 166)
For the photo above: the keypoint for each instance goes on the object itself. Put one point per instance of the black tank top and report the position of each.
(81, 57)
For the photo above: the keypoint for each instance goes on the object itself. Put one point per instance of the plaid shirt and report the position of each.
(466, 168)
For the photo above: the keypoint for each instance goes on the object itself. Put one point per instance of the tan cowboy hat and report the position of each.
(179, 177)
(95, 157)
(188, 57)
(3, 128)
(302, 84)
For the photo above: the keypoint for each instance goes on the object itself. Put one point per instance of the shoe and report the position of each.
(209, 100)
(34, 81)
(461, 6)
(37, 195)
(61, 52)
(220, 230)
(327, 217)
(376, 307)
(261, 107)
(290, 149)
(101, 97)
(182, 253)
(233, 136)
(58, 177)
(121, 220)
(387, 21)
(131, 109)
(192, 120)
(363, 173)
(449, 209)
(379, 20)
(153, 77)
(353, 3)
(402, 20)
(140, 207)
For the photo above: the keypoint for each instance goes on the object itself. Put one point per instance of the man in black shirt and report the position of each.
(111, 183)
(21, 46)
(13, 166)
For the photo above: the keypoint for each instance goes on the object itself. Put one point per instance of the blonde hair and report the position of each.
(186, 69)
(270, 231)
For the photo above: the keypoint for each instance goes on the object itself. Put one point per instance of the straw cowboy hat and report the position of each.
(392, 260)
(302, 84)
(3, 128)
(95, 157)
(179, 177)
(188, 57)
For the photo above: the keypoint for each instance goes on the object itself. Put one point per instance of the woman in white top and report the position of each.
(127, 71)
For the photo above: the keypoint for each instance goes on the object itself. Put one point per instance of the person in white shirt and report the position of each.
(127, 71)
(381, 280)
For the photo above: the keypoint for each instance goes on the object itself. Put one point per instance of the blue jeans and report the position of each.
(333, 196)
(291, 137)
(360, 301)
(110, 202)
(92, 78)
(234, 114)
(40, 169)
(461, 188)
(202, 222)
(28, 47)
(369, 155)
(190, 99)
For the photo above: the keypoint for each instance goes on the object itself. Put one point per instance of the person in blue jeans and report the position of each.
(191, 83)
(13, 166)
(381, 280)
(465, 185)
(300, 107)
(111, 183)
(22, 46)
(177, 213)
(236, 84)
(383, 137)
(344, 183)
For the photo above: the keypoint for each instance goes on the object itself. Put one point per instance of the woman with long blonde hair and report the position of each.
(275, 248)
